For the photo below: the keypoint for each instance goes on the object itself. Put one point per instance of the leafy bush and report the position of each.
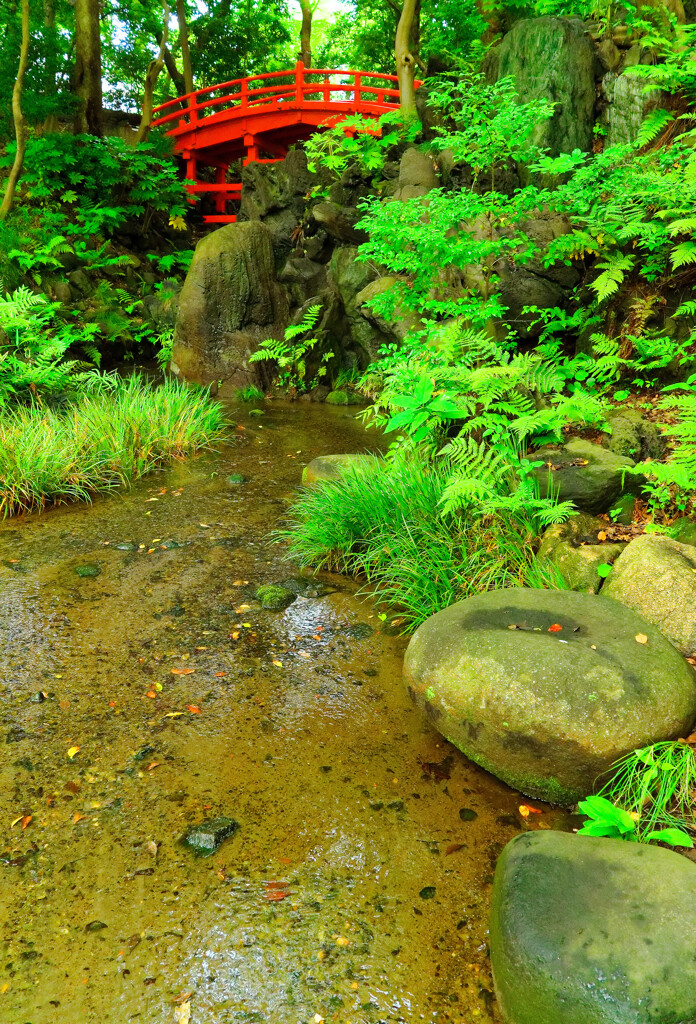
(290, 354)
(612, 822)
(115, 432)
(383, 520)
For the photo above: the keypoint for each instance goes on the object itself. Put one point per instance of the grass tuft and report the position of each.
(110, 436)
(382, 520)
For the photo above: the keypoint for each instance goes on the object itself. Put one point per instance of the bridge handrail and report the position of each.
(298, 89)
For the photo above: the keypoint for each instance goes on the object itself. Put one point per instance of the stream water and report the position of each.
(154, 694)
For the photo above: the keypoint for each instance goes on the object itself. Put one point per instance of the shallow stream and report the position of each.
(153, 693)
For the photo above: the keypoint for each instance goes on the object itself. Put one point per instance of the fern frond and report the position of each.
(652, 125)
(683, 255)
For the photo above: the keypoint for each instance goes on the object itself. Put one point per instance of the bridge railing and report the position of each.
(362, 91)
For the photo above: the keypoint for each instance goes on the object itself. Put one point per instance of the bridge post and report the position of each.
(299, 82)
(251, 146)
(327, 91)
(356, 92)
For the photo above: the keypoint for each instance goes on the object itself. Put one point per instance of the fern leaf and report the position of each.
(683, 254)
(652, 125)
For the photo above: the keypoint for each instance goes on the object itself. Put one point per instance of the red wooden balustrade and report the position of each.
(265, 114)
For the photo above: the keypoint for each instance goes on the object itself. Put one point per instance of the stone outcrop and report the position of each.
(546, 689)
(656, 576)
(574, 548)
(586, 474)
(553, 59)
(229, 303)
(593, 931)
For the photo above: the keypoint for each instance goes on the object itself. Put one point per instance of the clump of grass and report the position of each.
(249, 394)
(382, 520)
(657, 786)
(114, 433)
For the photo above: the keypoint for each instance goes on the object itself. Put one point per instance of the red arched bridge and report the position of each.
(260, 117)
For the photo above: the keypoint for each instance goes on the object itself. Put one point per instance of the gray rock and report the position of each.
(417, 175)
(162, 307)
(656, 576)
(339, 222)
(548, 710)
(574, 548)
(207, 837)
(229, 303)
(634, 436)
(331, 467)
(627, 103)
(593, 931)
(584, 473)
(552, 58)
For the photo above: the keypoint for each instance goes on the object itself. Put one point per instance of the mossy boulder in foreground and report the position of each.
(546, 688)
(593, 931)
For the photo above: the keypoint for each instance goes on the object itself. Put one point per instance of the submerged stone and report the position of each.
(546, 689)
(593, 931)
(275, 598)
(236, 478)
(207, 837)
(88, 570)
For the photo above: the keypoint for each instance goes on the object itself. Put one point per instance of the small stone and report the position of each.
(88, 571)
(427, 892)
(236, 478)
(275, 598)
(467, 814)
(207, 837)
(95, 926)
(126, 545)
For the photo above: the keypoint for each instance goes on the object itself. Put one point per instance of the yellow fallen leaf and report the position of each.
(279, 664)
(242, 608)
(247, 625)
(341, 941)
(641, 638)
(174, 714)
(13, 823)
(240, 583)
(5, 988)
(182, 1014)
(72, 751)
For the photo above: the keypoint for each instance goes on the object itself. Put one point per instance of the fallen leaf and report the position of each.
(182, 671)
(63, 704)
(182, 1014)
(5, 988)
(278, 664)
(527, 809)
(73, 787)
(72, 751)
(193, 709)
(220, 674)
(242, 608)
(78, 817)
(153, 764)
(341, 941)
(206, 526)
(555, 628)
(240, 583)
(174, 714)
(454, 848)
(182, 997)
(641, 638)
(601, 535)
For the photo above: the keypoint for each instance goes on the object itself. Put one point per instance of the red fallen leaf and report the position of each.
(286, 860)
(454, 848)
(527, 809)
(193, 709)
(26, 819)
(555, 628)
(275, 897)
(73, 787)
(182, 671)
(218, 675)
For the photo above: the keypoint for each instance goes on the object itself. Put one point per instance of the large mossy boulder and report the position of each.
(546, 689)
(593, 931)
(634, 436)
(575, 549)
(229, 303)
(584, 473)
(656, 576)
(552, 59)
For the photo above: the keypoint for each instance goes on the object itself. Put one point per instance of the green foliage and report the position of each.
(358, 139)
(291, 353)
(33, 344)
(250, 394)
(672, 484)
(382, 520)
(656, 785)
(116, 431)
(606, 819)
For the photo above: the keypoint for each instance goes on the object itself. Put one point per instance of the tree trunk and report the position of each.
(405, 61)
(20, 125)
(49, 20)
(185, 48)
(153, 73)
(87, 80)
(170, 64)
(305, 54)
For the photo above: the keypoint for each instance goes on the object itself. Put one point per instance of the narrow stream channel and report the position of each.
(186, 701)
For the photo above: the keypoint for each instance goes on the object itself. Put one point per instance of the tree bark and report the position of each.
(153, 73)
(87, 79)
(20, 124)
(185, 47)
(173, 71)
(405, 61)
(305, 55)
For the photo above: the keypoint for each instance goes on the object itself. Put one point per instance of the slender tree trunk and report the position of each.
(405, 61)
(185, 48)
(153, 73)
(49, 8)
(307, 9)
(87, 80)
(20, 125)
(170, 64)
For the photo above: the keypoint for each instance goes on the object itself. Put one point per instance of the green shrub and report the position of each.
(382, 520)
(114, 433)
